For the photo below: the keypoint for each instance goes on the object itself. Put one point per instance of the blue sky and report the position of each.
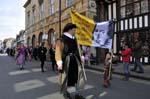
(12, 18)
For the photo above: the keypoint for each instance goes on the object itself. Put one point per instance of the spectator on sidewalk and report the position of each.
(137, 54)
(126, 54)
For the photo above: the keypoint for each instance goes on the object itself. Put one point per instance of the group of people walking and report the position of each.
(66, 55)
(23, 53)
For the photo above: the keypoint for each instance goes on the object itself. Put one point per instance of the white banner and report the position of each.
(103, 35)
(45, 36)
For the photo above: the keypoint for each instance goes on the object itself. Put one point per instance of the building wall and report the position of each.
(128, 23)
(51, 21)
(106, 10)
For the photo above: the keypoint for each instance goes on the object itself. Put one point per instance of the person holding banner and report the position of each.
(68, 61)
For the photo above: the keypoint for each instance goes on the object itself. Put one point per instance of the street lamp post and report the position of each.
(59, 17)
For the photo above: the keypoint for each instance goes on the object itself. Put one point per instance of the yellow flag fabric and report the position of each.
(85, 28)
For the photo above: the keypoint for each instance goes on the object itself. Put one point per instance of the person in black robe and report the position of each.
(68, 61)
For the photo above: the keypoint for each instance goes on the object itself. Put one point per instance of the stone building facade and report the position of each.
(130, 17)
(42, 18)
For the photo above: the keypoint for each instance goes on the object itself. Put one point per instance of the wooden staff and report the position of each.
(82, 64)
(110, 66)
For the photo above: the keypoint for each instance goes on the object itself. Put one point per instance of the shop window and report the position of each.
(145, 37)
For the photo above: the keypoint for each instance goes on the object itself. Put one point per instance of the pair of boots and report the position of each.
(68, 96)
(106, 83)
(126, 76)
(21, 67)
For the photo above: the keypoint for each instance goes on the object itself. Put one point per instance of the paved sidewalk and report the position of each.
(118, 69)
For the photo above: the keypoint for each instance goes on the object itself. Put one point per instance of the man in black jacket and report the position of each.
(52, 56)
(42, 55)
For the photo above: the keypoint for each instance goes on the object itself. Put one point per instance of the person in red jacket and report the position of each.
(126, 54)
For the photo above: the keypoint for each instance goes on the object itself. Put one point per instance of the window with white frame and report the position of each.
(33, 14)
(130, 8)
(144, 6)
(51, 8)
(28, 18)
(69, 2)
(41, 10)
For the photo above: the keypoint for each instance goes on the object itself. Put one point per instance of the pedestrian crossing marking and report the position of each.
(94, 71)
(140, 81)
(89, 97)
(53, 79)
(103, 94)
(28, 85)
(36, 69)
(19, 72)
(120, 76)
(57, 95)
(3, 55)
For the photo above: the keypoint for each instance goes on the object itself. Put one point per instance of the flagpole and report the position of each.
(110, 67)
(82, 64)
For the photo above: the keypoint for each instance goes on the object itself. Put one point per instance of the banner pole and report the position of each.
(82, 64)
(110, 67)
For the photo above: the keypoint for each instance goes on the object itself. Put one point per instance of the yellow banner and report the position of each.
(85, 27)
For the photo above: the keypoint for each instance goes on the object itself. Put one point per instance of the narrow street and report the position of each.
(31, 83)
